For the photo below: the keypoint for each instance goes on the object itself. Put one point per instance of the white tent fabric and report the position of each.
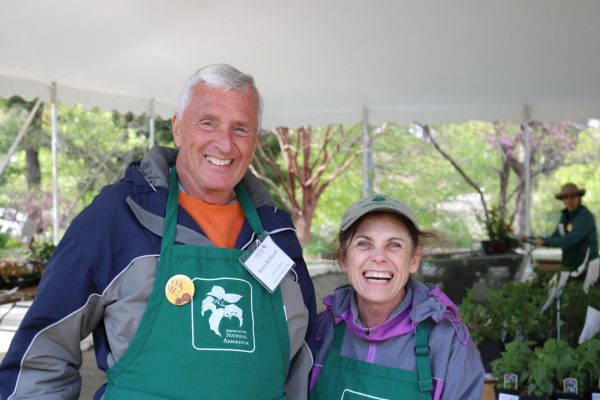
(314, 61)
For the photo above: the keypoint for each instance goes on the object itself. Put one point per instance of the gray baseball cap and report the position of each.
(376, 203)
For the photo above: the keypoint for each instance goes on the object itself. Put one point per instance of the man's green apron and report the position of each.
(349, 379)
(230, 342)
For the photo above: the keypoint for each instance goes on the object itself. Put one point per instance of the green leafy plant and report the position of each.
(541, 370)
(515, 359)
(41, 252)
(551, 364)
(587, 359)
(480, 318)
(574, 302)
(499, 233)
(508, 312)
(495, 227)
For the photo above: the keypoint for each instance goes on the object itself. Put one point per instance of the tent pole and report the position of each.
(526, 269)
(527, 132)
(54, 163)
(367, 157)
(151, 123)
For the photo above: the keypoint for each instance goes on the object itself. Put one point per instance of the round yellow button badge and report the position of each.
(179, 290)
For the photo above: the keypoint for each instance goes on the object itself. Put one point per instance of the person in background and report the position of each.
(388, 336)
(576, 234)
(160, 268)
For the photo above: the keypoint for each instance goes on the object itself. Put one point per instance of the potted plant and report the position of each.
(499, 232)
(505, 313)
(587, 358)
(552, 367)
(515, 361)
(14, 272)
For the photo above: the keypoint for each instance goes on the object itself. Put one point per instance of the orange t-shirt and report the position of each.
(221, 223)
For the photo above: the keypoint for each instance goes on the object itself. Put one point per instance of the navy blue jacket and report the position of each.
(100, 277)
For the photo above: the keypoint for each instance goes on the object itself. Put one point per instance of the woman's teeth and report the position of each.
(376, 276)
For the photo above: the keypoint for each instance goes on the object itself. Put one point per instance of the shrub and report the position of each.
(508, 312)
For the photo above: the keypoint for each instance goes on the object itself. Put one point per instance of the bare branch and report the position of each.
(284, 197)
(448, 157)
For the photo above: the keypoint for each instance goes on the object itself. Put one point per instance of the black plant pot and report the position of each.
(490, 350)
(594, 394)
(567, 396)
(491, 247)
(22, 281)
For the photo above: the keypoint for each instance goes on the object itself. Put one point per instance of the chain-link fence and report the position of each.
(457, 273)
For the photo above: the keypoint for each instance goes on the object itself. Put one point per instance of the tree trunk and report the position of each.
(303, 224)
(33, 175)
(32, 161)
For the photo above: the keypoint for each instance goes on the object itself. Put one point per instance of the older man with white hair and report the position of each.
(190, 279)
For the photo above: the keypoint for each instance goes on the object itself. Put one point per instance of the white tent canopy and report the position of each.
(315, 62)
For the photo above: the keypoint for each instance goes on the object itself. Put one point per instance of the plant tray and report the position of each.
(22, 281)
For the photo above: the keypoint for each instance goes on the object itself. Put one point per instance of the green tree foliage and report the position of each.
(94, 147)
(304, 164)
(409, 168)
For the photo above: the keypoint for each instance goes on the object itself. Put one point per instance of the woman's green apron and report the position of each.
(229, 342)
(349, 379)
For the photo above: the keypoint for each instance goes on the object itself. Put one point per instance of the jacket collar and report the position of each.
(150, 181)
(422, 301)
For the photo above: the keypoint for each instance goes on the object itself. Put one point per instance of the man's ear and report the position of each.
(175, 130)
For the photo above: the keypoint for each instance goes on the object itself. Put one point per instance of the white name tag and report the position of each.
(506, 396)
(267, 262)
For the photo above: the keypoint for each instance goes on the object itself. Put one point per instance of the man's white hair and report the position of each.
(220, 76)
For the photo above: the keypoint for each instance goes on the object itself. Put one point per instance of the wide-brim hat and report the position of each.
(569, 189)
(376, 203)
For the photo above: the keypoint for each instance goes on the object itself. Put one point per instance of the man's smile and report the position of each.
(218, 161)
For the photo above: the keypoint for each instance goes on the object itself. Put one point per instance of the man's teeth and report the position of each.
(376, 275)
(218, 161)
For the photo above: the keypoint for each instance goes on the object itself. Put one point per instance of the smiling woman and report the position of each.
(387, 333)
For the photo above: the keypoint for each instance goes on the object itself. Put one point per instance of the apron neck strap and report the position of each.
(170, 225)
(338, 338)
(422, 351)
(249, 209)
